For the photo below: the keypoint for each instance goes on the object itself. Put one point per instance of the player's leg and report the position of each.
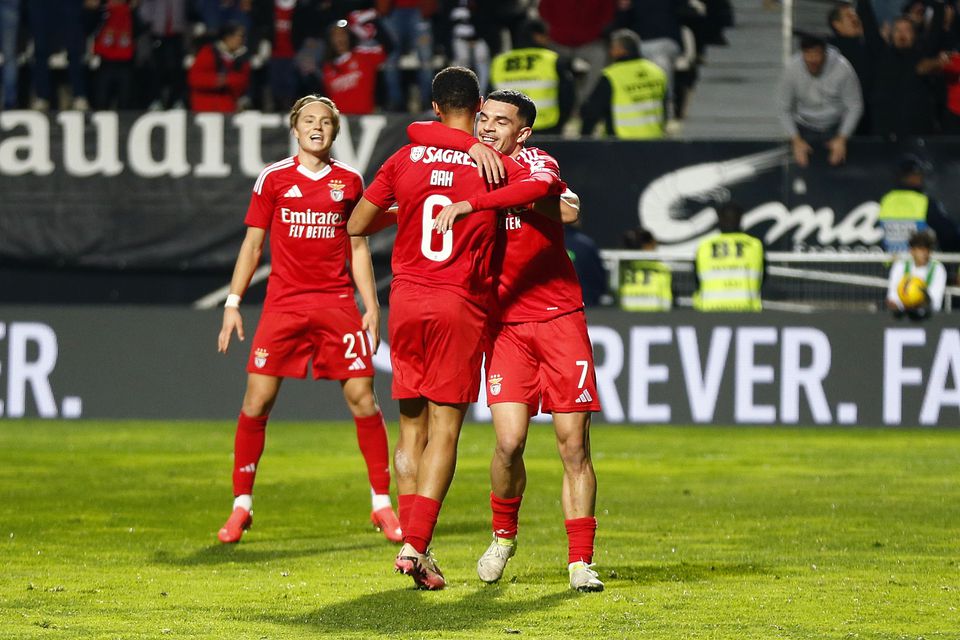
(372, 439)
(407, 455)
(508, 479)
(248, 447)
(578, 497)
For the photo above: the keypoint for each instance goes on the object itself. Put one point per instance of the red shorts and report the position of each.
(286, 341)
(436, 344)
(543, 364)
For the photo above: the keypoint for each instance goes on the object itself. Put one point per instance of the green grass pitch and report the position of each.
(107, 530)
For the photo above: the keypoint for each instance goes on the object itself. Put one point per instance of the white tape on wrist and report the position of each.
(233, 301)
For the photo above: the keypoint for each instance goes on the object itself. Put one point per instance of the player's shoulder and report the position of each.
(344, 169)
(272, 169)
(537, 159)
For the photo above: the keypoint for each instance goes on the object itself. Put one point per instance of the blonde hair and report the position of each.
(310, 99)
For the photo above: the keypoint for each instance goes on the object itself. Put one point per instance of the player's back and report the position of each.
(422, 180)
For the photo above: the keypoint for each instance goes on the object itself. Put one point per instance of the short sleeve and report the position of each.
(381, 191)
(260, 211)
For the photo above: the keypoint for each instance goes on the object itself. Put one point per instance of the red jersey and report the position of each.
(306, 215)
(114, 40)
(535, 278)
(424, 179)
(283, 29)
(351, 79)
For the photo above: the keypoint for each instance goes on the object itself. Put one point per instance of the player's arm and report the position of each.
(489, 161)
(361, 265)
(368, 218)
(249, 257)
(523, 188)
(565, 209)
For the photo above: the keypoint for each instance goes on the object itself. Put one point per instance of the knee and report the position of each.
(510, 448)
(362, 402)
(574, 452)
(257, 405)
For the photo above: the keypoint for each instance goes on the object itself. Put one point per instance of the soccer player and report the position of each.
(541, 357)
(438, 305)
(309, 316)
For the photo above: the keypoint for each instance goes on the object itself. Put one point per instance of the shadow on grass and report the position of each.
(411, 611)
(682, 572)
(223, 554)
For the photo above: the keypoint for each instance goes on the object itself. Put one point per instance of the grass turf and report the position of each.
(107, 530)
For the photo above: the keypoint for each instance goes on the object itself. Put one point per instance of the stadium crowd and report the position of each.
(369, 55)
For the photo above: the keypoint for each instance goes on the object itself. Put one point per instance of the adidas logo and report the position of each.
(357, 365)
(250, 468)
(585, 397)
(293, 192)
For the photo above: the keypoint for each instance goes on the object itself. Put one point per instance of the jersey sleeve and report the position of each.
(522, 188)
(381, 191)
(356, 192)
(437, 134)
(260, 211)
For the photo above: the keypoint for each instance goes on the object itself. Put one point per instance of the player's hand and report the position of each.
(371, 324)
(231, 321)
(801, 151)
(838, 150)
(445, 219)
(489, 163)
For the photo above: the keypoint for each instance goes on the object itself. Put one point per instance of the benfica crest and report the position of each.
(336, 190)
(260, 358)
(494, 381)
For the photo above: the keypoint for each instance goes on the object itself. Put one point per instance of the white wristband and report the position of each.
(233, 301)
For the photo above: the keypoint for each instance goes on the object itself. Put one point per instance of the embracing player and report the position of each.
(438, 304)
(541, 357)
(309, 316)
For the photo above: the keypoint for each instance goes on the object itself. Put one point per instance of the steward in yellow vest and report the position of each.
(729, 267)
(630, 96)
(645, 285)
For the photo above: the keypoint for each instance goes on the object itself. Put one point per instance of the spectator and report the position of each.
(350, 71)
(849, 40)
(215, 14)
(951, 70)
(586, 260)
(819, 101)
(56, 24)
(220, 75)
(907, 209)
(918, 265)
(539, 72)
(903, 101)
(645, 285)
(9, 31)
(730, 267)
(113, 43)
(576, 29)
(166, 22)
(658, 25)
(630, 96)
(408, 23)
(468, 47)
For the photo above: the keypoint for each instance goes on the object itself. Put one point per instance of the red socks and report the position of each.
(404, 505)
(247, 449)
(423, 518)
(580, 533)
(506, 514)
(372, 437)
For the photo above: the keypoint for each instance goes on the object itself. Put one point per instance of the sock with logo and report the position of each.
(247, 449)
(372, 437)
(506, 515)
(580, 534)
(404, 505)
(423, 519)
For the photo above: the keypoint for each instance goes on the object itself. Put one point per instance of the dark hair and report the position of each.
(456, 89)
(728, 216)
(526, 108)
(528, 30)
(627, 39)
(925, 238)
(910, 163)
(637, 238)
(834, 14)
(229, 29)
(809, 41)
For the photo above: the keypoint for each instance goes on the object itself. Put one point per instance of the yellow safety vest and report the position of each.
(902, 213)
(730, 270)
(639, 87)
(531, 71)
(645, 286)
